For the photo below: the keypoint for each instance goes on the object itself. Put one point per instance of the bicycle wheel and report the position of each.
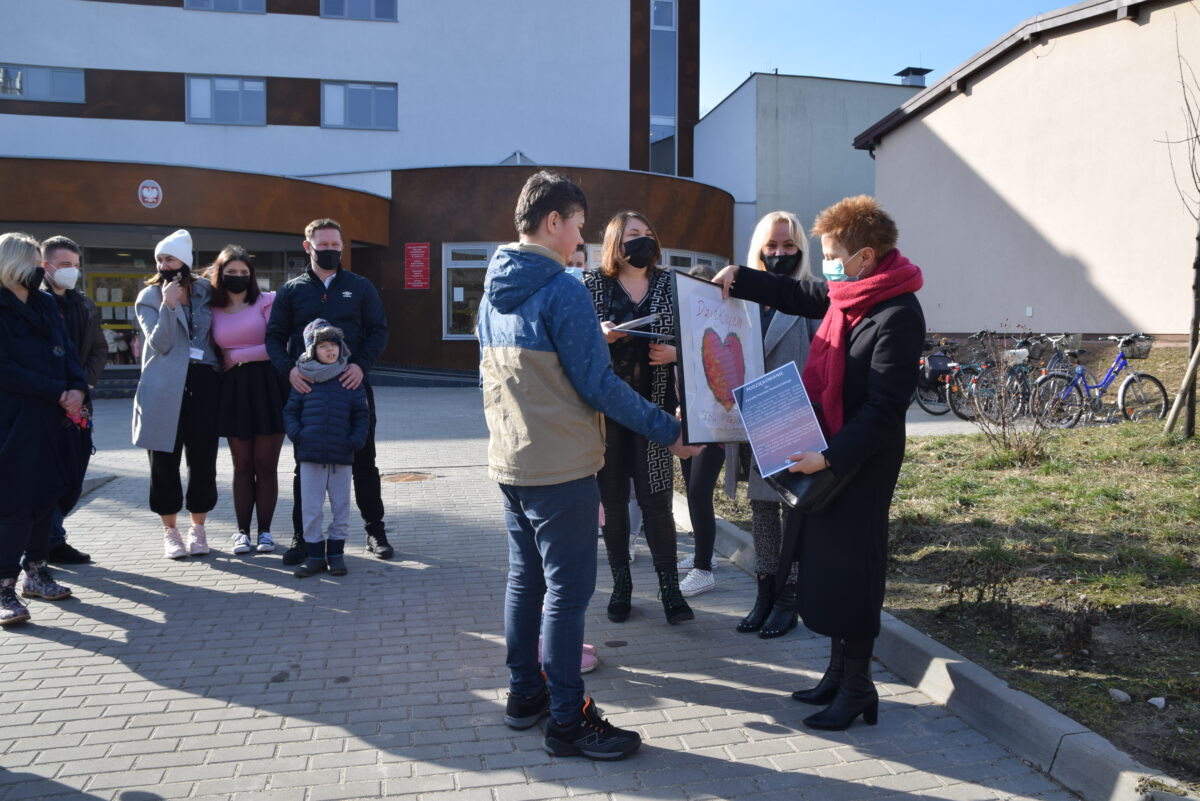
(1057, 401)
(932, 398)
(959, 391)
(1142, 397)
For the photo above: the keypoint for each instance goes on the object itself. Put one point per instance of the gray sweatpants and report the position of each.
(316, 481)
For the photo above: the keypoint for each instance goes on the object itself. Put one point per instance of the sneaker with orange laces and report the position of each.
(591, 736)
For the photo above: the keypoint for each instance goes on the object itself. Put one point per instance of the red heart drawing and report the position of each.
(724, 365)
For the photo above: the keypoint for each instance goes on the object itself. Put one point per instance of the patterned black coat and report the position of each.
(662, 377)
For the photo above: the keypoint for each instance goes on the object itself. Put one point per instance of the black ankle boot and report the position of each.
(620, 603)
(856, 696)
(827, 687)
(675, 608)
(377, 543)
(762, 606)
(784, 615)
(295, 553)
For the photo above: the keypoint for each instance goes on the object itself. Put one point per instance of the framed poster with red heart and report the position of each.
(719, 345)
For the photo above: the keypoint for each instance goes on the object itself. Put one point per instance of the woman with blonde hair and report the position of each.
(42, 392)
(778, 246)
(630, 285)
(178, 394)
(860, 377)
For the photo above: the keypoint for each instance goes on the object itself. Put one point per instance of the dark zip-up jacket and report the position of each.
(328, 424)
(351, 303)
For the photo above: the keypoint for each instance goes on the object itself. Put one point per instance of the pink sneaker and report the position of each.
(197, 540)
(173, 543)
(589, 649)
(588, 662)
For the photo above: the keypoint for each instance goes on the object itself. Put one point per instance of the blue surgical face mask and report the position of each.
(835, 269)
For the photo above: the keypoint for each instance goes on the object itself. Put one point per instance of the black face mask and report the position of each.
(329, 260)
(783, 265)
(169, 275)
(34, 279)
(235, 283)
(640, 252)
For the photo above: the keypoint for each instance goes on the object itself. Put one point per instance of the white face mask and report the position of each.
(65, 277)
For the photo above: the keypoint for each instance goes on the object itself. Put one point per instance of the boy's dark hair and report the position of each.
(59, 243)
(543, 193)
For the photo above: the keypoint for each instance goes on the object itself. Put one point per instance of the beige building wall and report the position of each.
(1043, 196)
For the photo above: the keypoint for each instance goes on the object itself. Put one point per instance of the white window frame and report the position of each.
(372, 18)
(46, 98)
(344, 85)
(211, 81)
(674, 16)
(187, 4)
(447, 265)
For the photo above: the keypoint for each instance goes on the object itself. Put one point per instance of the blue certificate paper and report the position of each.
(779, 418)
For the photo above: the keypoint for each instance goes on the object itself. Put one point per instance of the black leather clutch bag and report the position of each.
(811, 492)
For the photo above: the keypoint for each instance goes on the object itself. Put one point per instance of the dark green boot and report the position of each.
(315, 562)
(337, 562)
(675, 608)
(621, 602)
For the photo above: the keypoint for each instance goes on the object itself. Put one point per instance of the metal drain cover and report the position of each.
(408, 477)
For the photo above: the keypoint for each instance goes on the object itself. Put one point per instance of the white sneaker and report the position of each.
(173, 543)
(241, 542)
(696, 582)
(266, 543)
(197, 540)
(689, 562)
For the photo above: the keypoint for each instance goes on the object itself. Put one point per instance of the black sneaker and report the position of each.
(66, 554)
(591, 736)
(378, 544)
(522, 711)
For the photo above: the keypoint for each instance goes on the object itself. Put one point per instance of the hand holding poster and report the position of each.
(719, 348)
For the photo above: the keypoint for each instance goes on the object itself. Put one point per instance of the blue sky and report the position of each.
(867, 40)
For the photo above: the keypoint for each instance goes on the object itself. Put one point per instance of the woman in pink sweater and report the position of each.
(250, 414)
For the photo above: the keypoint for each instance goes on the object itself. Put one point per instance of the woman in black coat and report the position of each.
(860, 375)
(41, 388)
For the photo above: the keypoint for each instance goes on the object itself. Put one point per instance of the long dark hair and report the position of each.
(231, 253)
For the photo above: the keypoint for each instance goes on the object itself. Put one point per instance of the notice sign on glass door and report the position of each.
(416, 265)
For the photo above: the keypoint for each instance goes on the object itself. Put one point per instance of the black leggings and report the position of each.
(255, 481)
(195, 434)
(625, 458)
(700, 476)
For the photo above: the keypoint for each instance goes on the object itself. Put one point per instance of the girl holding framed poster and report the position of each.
(630, 286)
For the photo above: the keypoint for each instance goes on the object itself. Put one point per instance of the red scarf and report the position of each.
(849, 301)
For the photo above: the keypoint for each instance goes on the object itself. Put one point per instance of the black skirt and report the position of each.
(252, 398)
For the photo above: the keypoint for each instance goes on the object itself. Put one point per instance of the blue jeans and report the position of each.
(58, 534)
(551, 563)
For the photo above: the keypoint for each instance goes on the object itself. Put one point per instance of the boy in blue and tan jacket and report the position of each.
(547, 382)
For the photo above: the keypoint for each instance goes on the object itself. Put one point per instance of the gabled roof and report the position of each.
(1020, 37)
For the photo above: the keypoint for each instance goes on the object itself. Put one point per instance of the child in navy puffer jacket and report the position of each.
(327, 425)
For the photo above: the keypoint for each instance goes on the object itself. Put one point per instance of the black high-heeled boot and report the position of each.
(827, 687)
(621, 602)
(784, 615)
(762, 605)
(675, 608)
(857, 696)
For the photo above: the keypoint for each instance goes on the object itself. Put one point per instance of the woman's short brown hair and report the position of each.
(231, 253)
(856, 223)
(612, 242)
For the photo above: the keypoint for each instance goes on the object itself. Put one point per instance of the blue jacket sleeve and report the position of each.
(360, 418)
(573, 330)
(374, 327)
(279, 331)
(291, 415)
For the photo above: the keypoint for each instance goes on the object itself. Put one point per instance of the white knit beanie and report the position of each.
(178, 244)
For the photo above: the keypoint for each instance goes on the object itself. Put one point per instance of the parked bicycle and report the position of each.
(933, 376)
(1061, 398)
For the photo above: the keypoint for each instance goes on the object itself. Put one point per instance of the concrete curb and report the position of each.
(94, 483)
(1068, 751)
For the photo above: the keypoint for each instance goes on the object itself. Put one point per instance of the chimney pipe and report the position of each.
(913, 76)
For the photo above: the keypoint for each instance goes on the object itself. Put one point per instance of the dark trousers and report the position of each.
(625, 458)
(24, 532)
(368, 490)
(196, 439)
(700, 476)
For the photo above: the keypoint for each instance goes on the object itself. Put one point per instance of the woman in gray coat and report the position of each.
(175, 408)
(778, 245)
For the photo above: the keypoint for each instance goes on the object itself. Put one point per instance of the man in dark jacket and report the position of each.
(349, 302)
(60, 259)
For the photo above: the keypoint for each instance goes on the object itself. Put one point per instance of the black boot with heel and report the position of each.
(762, 605)
(827, 687)
(856, 695)
(784, 615)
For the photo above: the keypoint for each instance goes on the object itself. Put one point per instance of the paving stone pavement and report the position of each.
(224, 677)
